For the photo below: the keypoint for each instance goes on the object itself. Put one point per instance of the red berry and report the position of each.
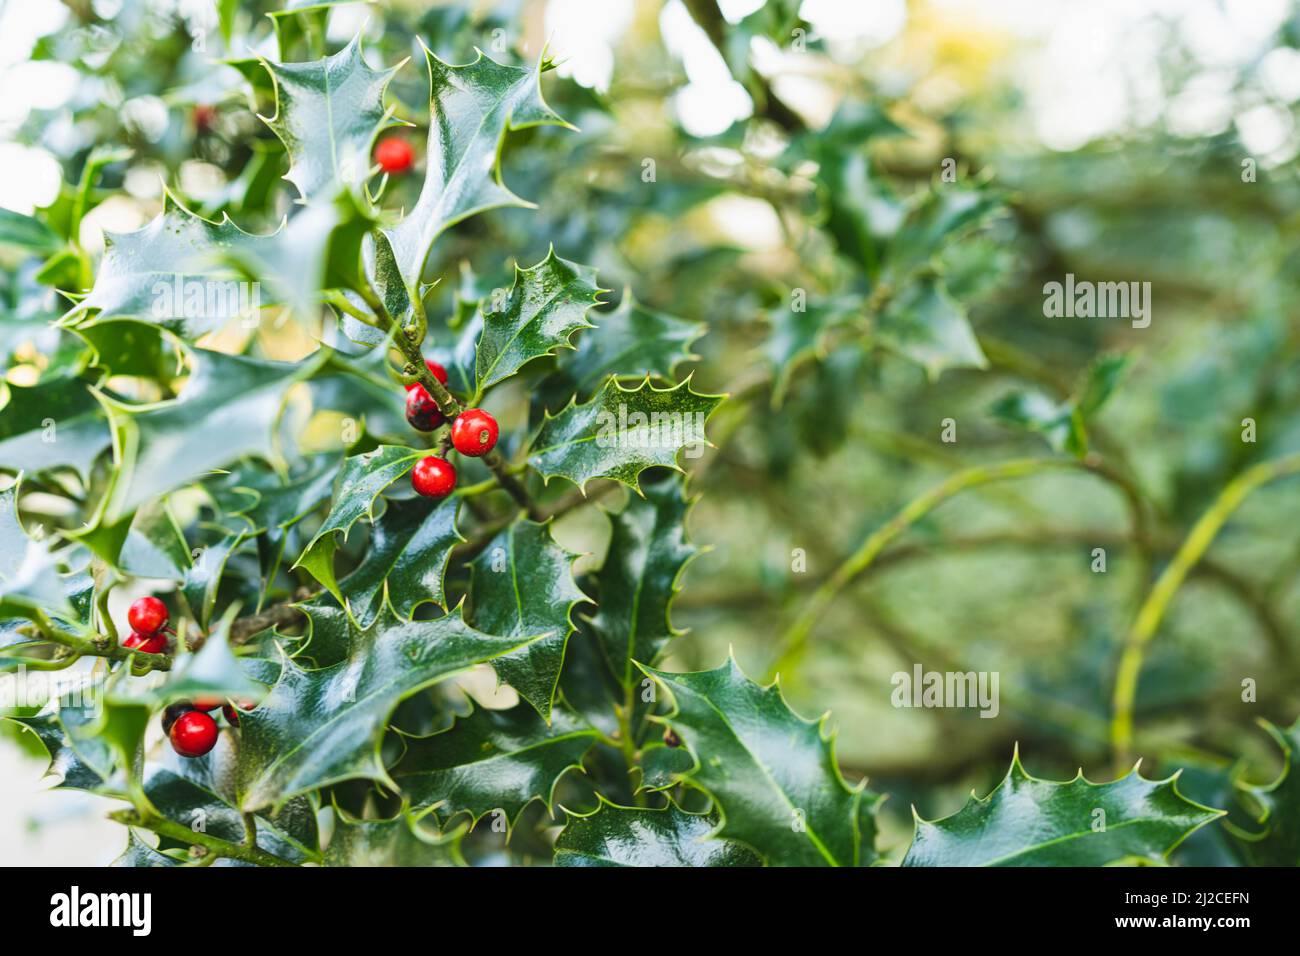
(436, 370)
(208, 703)
(205, 115)
(148, 615)
(433, 477)
(193, 734)
(394, 154)
(148, 643)
(422, 411)
(474, 432)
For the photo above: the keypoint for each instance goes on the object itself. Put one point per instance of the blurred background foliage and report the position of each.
(907, 173)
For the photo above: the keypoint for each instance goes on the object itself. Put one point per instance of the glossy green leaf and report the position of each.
(400, 841)
(523, 584)
(925, 324)
(621, 432)
(192, 792)
(410, 546)
(140, 854)
(639, 836)
(1274, 836)
(53, 424)
(203, 577)
(329, 112)
(322, 726)
(158, 449)
(546, 305)
(492, 760)
(772, 775)
(362, 479)
(473, 107)
(647, 553)
(1032, 822)
(631, 342)
(177, 272)
(27, 233)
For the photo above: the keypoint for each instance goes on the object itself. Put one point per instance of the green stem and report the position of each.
(627, 739)
(796, 635)
(164, 827)
(1152, 611)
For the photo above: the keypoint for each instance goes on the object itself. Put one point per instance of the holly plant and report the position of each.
(364, 553)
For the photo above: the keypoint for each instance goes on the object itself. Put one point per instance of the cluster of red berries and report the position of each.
(394, 155)
(190, 727)
(148, 619)
(473, 433)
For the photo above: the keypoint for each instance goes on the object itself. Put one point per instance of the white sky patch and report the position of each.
(581, 34)
(31, 178)
(712, 100)
(869, 23)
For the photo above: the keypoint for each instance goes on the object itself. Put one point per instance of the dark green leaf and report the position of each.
(772, 774)
(1032, 822)
(621, 432)
(631, 836)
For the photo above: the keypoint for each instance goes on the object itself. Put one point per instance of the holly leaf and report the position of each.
(177, 271)
(140, 854)
(362, 479)
(632, 342)
(53, 424)
(546, 305)
(492, 760)
(321, 726)
(328, 113)
(203, 577)
(621, 432)
(1275, 840)
(27, 233)
(522, 583)
(647, 553)
(401, 841)
(189, 791)
(638, 836)
(1060, 423)
(1030, 822)
(80, 762)
(800, 335)
(157, 447)
(771, 774)
(473, 107)
(925, 325)
(410, 546)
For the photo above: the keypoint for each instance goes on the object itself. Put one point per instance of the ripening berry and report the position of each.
(148, 615)
(433, 477)
(208, 703)
(671, 739)
(394, 155)
(474, 432)
(436, 370)
(173, 711)
(193, 734)
(422, 411)
(148, 643)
